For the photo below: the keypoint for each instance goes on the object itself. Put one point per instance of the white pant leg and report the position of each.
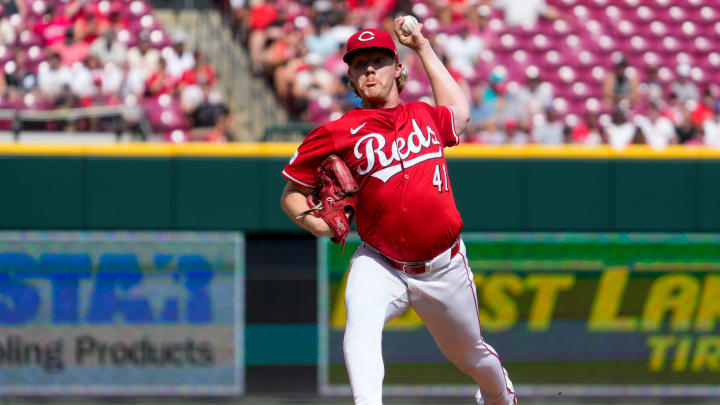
(447, 303)
(374, 295)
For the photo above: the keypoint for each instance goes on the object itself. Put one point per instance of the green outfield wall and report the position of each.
(238, 188)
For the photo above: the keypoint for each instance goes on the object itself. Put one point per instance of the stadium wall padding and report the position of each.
(227, 193)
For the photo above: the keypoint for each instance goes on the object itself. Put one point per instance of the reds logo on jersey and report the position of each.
(371, 147)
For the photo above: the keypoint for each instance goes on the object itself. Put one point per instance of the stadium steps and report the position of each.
(250, 98)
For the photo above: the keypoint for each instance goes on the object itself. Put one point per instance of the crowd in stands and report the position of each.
(61, 54)
(550, 72)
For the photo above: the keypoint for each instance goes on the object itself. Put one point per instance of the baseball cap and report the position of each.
(369, 38)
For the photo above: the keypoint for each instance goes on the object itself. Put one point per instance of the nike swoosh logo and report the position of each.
(354, 130)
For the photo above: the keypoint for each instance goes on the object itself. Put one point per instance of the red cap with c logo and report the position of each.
(369, 38)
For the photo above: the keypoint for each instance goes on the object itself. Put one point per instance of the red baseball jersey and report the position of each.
(406, 208)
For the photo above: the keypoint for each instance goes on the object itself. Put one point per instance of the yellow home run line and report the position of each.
(285, 150)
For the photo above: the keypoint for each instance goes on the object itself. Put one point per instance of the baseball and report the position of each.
(409, 25)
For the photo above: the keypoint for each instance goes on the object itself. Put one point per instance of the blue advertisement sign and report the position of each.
(121, 313)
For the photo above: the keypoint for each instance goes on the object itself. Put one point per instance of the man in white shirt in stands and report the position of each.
(143, 57)
(549, 131)
(659, 131)
(620, 131)
(179, 59)
(53, 76)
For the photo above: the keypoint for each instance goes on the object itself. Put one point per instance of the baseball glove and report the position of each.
(334, 196)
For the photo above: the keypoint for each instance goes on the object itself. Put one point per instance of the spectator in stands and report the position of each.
(86, 87)
(52, 25)
(652, 88)
(536, 96)
(321, 40)
(477, 17)
(85, 80)
(312, 80)
(551, 131)
(143, 57)
(282, 51)
(98, 18)
(506, 107)
(516, 135)
(284, 77)
(119, 81)
(490, 134)
(116, 21)
(493, 106)
(483, 106)
(620, 131)
(684, 87)
(70, 50)
(262, 15)
(680, 116)
(463, 50)
(619, 86)
(658, 131)
(202, 72)
(589, 132)
(17, 73)
(160, 81)
(704, 109)
(673, 109)
(192, 83)
(53, 77)
(212, 118)
(685, 129)
(86, 26)
(179, 58)
(108, 49)
(527, 12)
(334, 64)
(711, 128)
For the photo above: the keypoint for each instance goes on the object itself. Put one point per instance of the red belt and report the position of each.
(419, 267)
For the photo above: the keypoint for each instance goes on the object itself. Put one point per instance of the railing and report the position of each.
(120, 114)
(288, 132)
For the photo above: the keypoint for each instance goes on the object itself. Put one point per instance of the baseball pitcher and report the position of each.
(383, 164)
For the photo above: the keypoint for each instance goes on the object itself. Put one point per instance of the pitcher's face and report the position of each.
(373, 73)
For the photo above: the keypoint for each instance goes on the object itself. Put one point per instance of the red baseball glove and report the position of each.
(334, 196)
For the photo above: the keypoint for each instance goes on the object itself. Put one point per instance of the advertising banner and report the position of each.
(569, 314)
(121, 313)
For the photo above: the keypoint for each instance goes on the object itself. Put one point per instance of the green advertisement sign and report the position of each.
(570, 314)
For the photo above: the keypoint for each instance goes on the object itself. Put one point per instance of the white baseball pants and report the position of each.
(446, 301)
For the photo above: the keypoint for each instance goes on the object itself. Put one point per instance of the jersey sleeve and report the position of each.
(445, 121)
(301, 168)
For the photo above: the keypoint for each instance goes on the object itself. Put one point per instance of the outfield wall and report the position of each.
(237, 187)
